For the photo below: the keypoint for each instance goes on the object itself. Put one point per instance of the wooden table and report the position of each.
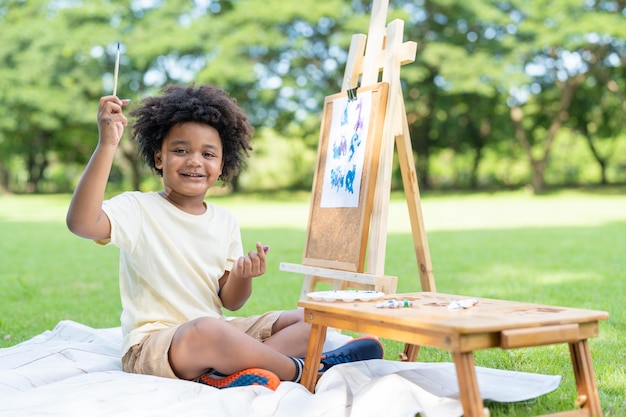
(491, 323)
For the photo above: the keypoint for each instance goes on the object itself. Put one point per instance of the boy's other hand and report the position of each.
(252, 265)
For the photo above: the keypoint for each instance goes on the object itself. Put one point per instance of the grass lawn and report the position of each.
(566, 248)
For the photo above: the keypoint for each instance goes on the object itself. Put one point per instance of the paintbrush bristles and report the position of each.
(117, 69)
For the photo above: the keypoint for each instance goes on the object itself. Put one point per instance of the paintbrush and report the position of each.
(117, 70)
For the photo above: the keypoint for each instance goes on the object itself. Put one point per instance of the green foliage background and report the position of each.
(502, 93)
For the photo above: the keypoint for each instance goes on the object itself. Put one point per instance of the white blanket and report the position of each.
(75, 370)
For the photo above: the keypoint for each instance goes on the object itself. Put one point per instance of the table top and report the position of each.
(431, 310)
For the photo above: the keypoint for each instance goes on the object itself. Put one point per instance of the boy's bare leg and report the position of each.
(209, 343)
(290, 334)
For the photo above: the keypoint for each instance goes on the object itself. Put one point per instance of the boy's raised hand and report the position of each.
(111, 120)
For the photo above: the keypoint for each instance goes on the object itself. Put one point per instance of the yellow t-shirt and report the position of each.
(170, 261)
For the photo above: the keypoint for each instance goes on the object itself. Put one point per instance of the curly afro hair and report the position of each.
(204, 104)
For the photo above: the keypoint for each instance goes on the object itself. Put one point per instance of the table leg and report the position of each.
(313, 356)
(586, 387)
(410, 353)
(468, 385)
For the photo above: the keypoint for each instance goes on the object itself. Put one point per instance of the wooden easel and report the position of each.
(383, 51)
(376, 58)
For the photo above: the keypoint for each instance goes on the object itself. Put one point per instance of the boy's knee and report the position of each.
(201, 328)
(294, 316)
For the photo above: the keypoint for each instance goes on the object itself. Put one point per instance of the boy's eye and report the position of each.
(181, 151)
(208, 155)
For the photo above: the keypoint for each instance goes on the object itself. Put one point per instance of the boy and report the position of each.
(176, 250)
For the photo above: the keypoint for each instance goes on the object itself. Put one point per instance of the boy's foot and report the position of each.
(360, 349)
(252, 376)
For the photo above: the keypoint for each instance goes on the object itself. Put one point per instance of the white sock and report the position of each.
(299, 362)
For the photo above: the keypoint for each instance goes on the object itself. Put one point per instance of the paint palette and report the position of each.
(346, 295)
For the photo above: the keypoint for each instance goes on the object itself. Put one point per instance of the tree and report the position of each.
(558, 58)
(65, 64)
(456, 83)
(48, 80)
(599, 102)
(59, 67)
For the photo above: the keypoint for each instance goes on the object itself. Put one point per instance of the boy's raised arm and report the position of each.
(85, 217)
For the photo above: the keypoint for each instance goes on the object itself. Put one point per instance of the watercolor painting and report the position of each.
(345, 153)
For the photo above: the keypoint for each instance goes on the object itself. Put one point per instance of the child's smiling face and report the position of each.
(191, 159)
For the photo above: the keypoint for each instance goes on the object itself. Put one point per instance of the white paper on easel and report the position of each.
(345, 153)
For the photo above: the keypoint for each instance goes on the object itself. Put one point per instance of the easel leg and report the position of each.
(588, 397)
(468, 385)
(313, 355)
(412, 194)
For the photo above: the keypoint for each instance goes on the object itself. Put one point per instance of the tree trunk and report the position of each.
(5, 177)
(37, 161)
(478, 152)
(478, 138)
(538, 166)
(134, 166)
(602, 162)
(538, 180)
(234, 184)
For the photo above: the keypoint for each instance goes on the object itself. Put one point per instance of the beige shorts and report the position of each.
(151, 355)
